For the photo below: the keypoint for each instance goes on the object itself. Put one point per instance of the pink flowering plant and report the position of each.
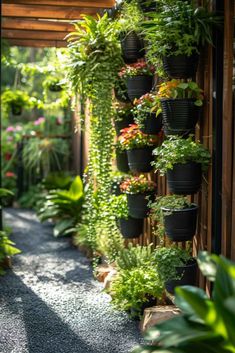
(136, 69)
(137, 185)
(131, 138)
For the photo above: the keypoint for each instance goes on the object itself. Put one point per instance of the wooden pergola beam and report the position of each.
(37, 43)
(43, 11)
(74, 3)
(37, 35)
(36, 25)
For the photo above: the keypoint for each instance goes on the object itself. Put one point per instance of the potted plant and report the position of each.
(139, 79)
(120, 90)
(147, 114)
(129, 23)
(139, 147)
(181, 106)
(116, 179)
(16, 100)
(176, 217)
(52, 84)
(129, 227)
(138, 190)
(176, 34)
(121, 158)
(183, 161)
(122, 116)
(176, 267)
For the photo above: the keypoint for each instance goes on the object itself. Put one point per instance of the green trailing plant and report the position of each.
(94, 61)
(135, 257)
(53, 84)
(119, 206)
(7, 247)
(205, 324)
(137, 184)
(130, 17)
(144, 106)
(177, 150)
(172, 202)
(131, 138)
(16, 99)
(116, 179)
(175, 89)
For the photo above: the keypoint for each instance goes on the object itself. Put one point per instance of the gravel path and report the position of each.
(50, 302)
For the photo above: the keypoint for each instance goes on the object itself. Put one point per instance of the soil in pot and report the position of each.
(152, 125)
(185, 179)
(137, 86)
(179, 116)
(181, 66)
(189, 276)
(131, 227)
(16, 109)
(122, 124)
(139, 159)
(180, 225)
(132, 47)
(138, 205)
(122, 162)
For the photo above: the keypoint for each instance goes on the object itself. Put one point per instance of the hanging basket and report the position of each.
(189, 277)
(131, 227)
(185, 179)
(180, 225)
(152, 125)
(122, 124)
(132, 47)
(179, 116)
(16, 109)
(137, 86)
(139, 159)
(122, 162)
(181, 66)
(138, 205)
(54, 87)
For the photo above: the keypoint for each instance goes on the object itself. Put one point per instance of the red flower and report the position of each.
(10, 174)
(8, 156)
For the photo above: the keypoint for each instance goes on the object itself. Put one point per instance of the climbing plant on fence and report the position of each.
(94, 61)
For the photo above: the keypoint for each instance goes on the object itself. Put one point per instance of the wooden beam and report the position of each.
(37, 43)
(82, 3)
(37, 25)
(37, 35)
(43, 11)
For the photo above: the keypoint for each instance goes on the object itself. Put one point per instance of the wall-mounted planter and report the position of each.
(122, 162)
(139, 159)
(131, 227)
(132, 47)
(137, 86)
(179, 116)
(180, 225)
(181, 66)
(122, 124)
(152, 125)
(138, 205)
(189, 277)
(185, 179)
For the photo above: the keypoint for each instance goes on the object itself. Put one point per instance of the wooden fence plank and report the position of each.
(37, 25)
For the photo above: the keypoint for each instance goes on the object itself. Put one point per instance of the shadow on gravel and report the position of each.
(46, 332)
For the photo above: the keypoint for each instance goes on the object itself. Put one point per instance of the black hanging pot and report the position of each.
(122, 162)
(189, 276)
(139, 159)
(185, 179)
(16, 109)
(54, 87)
(122, 124)
(181, 66)
(132, 47)
(131, 227)
(180, 225)
(152, 125)
(138, 204)
(137, 86)
(179, 116)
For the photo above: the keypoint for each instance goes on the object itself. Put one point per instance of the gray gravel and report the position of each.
(50, 302)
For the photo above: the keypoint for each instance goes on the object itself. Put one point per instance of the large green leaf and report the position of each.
(61, 228)
(207, 265)
(5, 192)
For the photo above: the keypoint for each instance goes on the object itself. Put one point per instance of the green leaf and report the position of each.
(61, 228)
(207, 265)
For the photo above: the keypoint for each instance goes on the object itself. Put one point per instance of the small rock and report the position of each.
(109, 278)
(157, 314)
(102, 271)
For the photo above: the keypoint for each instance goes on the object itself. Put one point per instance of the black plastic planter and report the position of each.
(137, 86)
(122, 124)
(152, 125)
(139, 159)
(181, 66)
(122, 162)
(132, 47)
(189, 277)
(180, 225)
(179, 116)
(138, 205)
(185, 179)
(131, 227)
(16, 109)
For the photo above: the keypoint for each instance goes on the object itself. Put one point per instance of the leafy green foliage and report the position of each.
(144, 106)
(119, 206)
(135, 256)
(58, 180)
(206, 324)
(178, 150)
(31, 197)
(130, 17)
(7, 248)
(16, 98)
(121, 112)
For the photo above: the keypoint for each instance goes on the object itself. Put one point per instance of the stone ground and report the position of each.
(50, 302)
